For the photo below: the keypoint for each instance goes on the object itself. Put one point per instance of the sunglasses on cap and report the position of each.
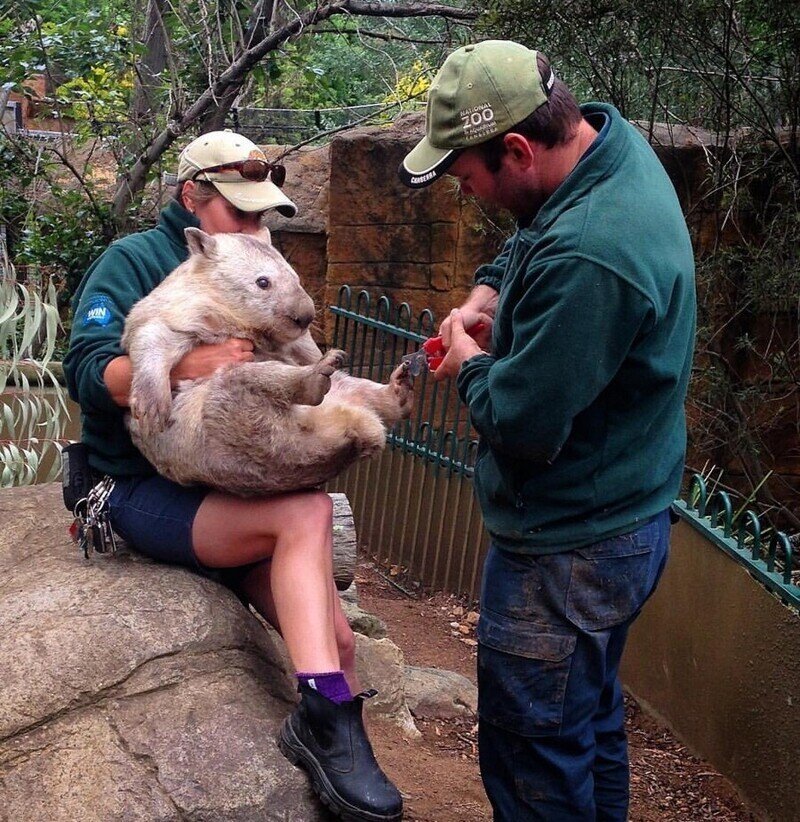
(254, 171)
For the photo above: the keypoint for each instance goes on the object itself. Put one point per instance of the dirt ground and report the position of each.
(438, 775)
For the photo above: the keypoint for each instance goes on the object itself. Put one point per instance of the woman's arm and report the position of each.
(199, 362)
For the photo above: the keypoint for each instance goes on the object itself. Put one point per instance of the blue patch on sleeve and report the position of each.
(98, 311)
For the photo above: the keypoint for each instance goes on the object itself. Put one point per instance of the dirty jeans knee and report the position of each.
(552, 631)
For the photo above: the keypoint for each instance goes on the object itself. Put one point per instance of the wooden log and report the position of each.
(344, 542)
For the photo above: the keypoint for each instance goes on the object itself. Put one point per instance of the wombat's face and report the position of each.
(254, 281)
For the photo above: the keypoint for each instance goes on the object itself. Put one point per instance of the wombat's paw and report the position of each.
(151, 411)
(332, 361)
(317, 380)
(402, 385)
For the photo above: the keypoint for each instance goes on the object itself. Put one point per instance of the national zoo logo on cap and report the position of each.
(478, 122)
(98, 312)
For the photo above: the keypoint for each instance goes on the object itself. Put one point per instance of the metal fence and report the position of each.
(414, 507)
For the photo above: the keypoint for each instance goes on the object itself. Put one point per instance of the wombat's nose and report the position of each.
(303, 319)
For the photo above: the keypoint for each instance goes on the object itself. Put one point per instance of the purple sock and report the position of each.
(331, 685)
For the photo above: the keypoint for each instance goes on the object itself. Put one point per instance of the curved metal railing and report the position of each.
(768, 554)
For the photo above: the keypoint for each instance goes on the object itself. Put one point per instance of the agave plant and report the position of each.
(33, 410)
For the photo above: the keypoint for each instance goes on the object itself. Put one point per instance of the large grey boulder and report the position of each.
(131, 690)
(435, 692)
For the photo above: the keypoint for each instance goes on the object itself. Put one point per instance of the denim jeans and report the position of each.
(551, 635)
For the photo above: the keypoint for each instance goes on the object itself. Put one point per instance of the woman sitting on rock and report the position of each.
(276, 551)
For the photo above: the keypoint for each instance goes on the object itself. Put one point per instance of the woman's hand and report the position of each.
(204, 360)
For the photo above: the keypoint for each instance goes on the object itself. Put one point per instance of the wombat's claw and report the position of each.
(151, 418)
(402, 383)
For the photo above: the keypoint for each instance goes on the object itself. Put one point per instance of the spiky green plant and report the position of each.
(33, 410)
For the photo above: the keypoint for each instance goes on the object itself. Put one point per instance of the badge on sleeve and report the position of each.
(98, 311)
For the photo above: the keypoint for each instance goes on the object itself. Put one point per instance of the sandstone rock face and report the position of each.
(362, 622)
(307, 172)
(132, 690)
(381, 666)
(420, 247)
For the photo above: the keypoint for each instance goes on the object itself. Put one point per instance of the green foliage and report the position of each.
(63, 39)
(52, 224)
(343, 66)
(63, 239)
(412, 84)
(100, 95)
(712, 63)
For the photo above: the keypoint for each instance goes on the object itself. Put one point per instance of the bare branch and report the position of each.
(380, 35)
(233, 77)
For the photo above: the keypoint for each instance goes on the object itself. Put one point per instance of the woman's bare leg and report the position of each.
(256, 586)
(294, 531)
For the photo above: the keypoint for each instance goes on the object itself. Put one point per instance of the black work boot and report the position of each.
(330, 742)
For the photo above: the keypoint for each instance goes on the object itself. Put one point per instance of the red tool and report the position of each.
(432, 352)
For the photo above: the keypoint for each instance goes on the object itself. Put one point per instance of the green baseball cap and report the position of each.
(481, 90)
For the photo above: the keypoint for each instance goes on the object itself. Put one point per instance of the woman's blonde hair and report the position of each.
(201, 193)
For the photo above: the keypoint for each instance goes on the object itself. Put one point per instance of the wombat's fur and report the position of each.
(290, 420)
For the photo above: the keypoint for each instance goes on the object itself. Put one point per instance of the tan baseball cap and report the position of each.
(481, 90)
(218, 148)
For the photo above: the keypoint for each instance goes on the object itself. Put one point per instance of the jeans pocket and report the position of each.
(611, 580)
(523, 670)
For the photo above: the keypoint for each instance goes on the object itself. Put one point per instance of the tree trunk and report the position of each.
(152, 64)
(258, 27)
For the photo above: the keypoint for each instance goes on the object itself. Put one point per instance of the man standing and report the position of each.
(578, 400)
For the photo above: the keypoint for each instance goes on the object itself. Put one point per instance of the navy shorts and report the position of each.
(155, 516)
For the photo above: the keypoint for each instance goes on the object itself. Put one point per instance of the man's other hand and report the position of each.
(458, 344)
(472, 318)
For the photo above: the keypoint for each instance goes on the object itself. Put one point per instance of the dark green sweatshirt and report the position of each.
(127, 271)
(580, 405)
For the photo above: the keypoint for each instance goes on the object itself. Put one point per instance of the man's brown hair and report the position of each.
(554, 123)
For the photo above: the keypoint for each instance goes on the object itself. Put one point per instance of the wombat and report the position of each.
(289, 420)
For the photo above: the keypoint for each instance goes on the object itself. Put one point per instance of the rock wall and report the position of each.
(359, 226)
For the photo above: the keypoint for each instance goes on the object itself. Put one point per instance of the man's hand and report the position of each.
(204, 360)
(480, 307)
(471, 318)
(458, 344)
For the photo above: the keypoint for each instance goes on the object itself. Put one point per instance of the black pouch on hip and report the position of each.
(76, 475)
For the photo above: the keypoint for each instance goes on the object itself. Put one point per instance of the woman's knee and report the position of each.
(310, 512)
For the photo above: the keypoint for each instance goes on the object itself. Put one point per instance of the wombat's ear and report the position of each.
(264, 235)
(200, 243)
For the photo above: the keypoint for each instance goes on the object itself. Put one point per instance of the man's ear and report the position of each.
(200, 243)
(519, 149)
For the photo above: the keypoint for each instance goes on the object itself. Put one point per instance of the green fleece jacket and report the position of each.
(580, 404)
(127, 271)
